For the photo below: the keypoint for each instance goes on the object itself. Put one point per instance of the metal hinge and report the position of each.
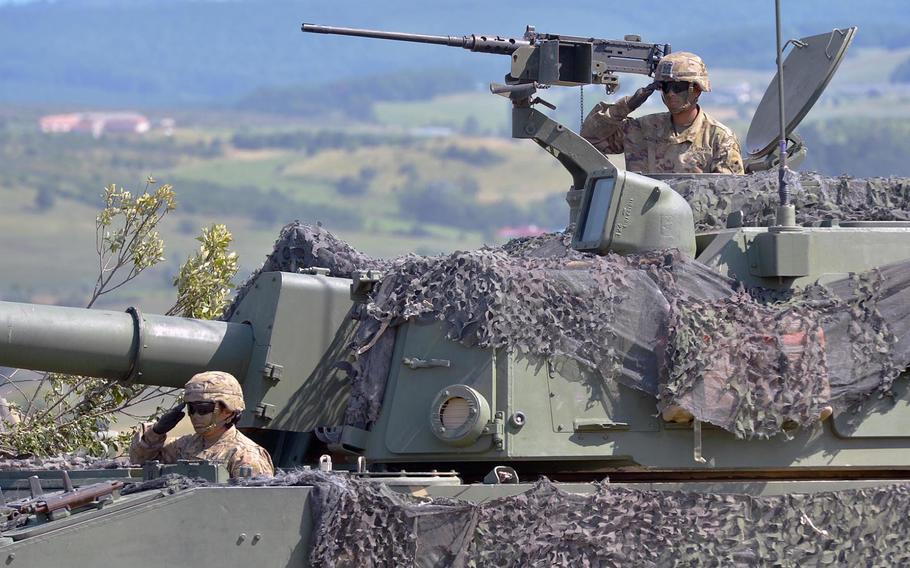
(272, 372)
(265, 411)
(497, 428)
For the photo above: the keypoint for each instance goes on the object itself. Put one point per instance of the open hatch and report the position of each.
(808, 69)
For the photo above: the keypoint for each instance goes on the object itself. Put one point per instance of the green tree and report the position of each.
(204, 282)
(65, 413)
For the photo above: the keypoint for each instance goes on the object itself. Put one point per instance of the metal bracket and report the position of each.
(363, 283)
(346, 439)
(272, 372)
(265, 411)
(417, 363)
(315, 271)
(830, 39)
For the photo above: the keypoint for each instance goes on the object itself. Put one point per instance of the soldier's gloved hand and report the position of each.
(641, 95)
(169, 419)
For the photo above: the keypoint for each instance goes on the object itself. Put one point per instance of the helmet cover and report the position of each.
(683, 66)
(215, 386)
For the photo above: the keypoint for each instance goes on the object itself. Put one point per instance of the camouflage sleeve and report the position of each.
(256, 458)
(727, 156)
(147, 445)
(605, 127)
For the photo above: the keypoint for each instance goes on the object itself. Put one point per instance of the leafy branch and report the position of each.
(69, 413)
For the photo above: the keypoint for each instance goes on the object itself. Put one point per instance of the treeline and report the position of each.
(453, 204)
(77, 166)
(860, 147)
(311, 142)
(267, 207)
(354, 98)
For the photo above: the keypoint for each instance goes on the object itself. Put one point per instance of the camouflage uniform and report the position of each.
(651, 144)
(232, 448)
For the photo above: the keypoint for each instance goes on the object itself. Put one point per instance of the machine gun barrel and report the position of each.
(473, 42)
(130, 346)
(547, 59)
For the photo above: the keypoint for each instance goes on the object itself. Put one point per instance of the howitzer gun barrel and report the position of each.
(147, 349)
(473, 42)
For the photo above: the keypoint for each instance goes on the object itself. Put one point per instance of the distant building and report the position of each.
(97, 123)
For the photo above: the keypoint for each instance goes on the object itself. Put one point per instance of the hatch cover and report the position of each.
(807, 71)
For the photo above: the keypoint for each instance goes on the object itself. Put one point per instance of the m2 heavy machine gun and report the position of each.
(538, 61)
(419, 412)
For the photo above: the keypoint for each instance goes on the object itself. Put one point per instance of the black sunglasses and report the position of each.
(200, 408)
(678, 87)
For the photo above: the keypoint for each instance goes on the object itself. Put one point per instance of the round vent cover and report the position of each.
(458, 415)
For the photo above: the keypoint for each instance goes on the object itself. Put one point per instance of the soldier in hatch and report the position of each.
(684, 140)
(214, 401)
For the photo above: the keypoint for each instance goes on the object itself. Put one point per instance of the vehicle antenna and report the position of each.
(786, 216)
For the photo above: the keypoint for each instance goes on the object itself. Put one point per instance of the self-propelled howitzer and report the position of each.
(500, 413)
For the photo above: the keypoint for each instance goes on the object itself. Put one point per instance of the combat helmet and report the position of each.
(683, 66)
(215, 386)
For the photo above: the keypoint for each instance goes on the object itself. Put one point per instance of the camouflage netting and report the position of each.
(749, 361)
(362, 524)
(67, 462)
(816, 198)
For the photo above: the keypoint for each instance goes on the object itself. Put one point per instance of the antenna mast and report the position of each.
(786, 214)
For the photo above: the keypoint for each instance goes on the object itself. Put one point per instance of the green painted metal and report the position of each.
(628, 213)
(573, 415)
(155, 350)
(758, 256)
(295, 318)
(206, 526)
(276, 345)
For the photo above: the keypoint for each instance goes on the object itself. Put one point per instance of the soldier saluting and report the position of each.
(214, 401)
(684, 140)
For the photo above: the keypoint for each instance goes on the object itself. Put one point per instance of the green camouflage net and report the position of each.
(362, 524)
(753, 362)
(816, 198)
